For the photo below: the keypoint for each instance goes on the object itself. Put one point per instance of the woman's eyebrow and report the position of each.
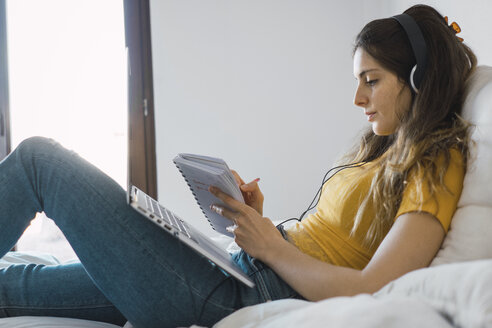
(361, 74)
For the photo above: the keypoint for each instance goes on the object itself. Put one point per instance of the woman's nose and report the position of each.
(359, 98)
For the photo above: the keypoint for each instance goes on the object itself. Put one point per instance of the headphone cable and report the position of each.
(318, 193)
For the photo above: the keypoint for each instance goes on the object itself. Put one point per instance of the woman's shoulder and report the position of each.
(456, 158)
(456, 153)
(449, 164)
(453, 154)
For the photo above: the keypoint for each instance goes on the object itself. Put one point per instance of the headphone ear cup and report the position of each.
(419, 47)
(412, 77)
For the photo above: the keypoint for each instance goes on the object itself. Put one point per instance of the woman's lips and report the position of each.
(370, 116)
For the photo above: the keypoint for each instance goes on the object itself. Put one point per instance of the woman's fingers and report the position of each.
(239, 180)
(225, 212)
(228, 200)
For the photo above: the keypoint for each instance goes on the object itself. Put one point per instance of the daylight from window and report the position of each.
(67, 81)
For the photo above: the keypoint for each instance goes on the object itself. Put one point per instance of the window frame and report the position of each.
(5, 139)
(141, 134)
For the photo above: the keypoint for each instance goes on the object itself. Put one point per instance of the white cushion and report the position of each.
(470, 234)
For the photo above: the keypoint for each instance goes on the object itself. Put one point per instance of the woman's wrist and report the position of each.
(277, 246)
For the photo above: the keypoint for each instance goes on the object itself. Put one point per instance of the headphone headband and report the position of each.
(419, 48)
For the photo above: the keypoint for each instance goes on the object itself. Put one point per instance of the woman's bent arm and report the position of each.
(410, 244)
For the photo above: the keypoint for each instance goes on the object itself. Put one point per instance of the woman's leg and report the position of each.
(55, 290)
(153, 279)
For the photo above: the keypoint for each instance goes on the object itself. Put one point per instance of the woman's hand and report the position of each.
(255, 234)
(251, 192)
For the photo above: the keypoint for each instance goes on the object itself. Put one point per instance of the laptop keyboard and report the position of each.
(167, 216)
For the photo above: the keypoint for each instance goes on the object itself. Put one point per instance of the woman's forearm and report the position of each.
(313, 279)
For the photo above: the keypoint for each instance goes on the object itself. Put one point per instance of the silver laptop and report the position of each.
(171, 223)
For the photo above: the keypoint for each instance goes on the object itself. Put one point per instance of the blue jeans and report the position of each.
(129, 270)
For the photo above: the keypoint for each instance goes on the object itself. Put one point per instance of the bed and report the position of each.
(455, 291)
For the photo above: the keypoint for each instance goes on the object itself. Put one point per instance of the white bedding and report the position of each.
(451, 295)
(47, 322)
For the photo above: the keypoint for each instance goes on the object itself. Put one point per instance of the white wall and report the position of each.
(265, 84)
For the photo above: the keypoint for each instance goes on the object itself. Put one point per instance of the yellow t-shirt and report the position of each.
(325, 234)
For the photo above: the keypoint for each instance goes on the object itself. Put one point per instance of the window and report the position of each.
(136, 90)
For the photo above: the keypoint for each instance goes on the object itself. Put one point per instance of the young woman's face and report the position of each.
(379, 93)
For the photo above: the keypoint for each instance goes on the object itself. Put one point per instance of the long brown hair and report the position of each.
(429, 129)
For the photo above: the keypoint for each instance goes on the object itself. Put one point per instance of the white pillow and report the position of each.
(470, 234)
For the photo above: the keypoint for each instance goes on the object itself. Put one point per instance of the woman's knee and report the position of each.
(37, 145)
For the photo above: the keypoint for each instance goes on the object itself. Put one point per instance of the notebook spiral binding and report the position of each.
(194, 195)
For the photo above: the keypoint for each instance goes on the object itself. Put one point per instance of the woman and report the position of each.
(384, 215)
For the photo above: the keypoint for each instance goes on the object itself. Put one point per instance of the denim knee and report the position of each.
(39, 146)
(35, 144)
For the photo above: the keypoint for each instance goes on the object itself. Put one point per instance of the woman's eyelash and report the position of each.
(371, 82)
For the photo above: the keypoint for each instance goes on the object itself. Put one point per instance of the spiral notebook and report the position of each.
(201, 172)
